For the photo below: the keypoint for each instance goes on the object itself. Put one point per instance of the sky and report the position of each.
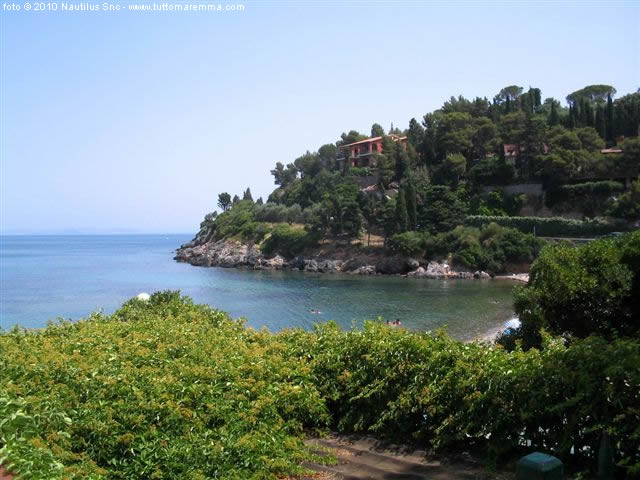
(133, 122)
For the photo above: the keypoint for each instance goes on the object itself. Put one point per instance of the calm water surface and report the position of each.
(44, 277)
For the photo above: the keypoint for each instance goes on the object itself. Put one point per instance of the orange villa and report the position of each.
(363, 153)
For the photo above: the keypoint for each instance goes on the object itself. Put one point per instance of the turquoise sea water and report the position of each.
(44, 277)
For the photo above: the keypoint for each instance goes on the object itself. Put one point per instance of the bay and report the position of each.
(70, 276)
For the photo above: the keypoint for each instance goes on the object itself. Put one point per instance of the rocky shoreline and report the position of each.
(234, 254)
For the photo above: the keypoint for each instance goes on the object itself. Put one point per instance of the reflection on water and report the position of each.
(70, 276)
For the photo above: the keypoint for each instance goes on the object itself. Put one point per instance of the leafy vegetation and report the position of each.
(489, 248)
(287, 241)
(164, 389)
(580, 291)
(169, 389)
(470, 162)
(549, 226)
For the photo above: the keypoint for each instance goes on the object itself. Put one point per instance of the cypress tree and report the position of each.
(600, 125)
(412, 210)
(554, 118)
(609, 121)
(402, 162)
(571, 121)
(402, 218)
(588, 113)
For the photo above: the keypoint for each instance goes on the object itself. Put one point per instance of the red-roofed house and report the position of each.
(363, 153)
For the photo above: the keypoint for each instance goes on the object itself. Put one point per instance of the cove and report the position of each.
(44, 277)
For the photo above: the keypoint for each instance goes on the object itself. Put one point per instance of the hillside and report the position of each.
(469, 186)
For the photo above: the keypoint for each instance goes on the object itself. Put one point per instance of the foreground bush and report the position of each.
(453, 396)
(168, 389)
(164, 390)
(585, 290)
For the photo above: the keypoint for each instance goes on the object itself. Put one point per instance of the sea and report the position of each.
(48, 277)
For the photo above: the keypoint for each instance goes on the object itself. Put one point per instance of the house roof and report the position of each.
(611, 150)
(368, 140)
(375, 139)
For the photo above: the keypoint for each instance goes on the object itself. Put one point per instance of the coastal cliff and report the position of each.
(235, 254)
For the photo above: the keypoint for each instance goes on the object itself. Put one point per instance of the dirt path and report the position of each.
(364, 458)
(4, 475)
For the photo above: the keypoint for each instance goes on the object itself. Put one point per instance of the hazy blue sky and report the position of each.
(136, 121)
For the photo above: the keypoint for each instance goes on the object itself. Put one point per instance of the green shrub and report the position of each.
(407, 243)
(454, 396)
(287, 241)
(549, 226)
(163, 389)
(577, 192)
(277, 213)
(589, 198)
(627, 205)
(585, 290)
(488, 248)
(169, 389)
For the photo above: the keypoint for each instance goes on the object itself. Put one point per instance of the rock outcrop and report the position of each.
(234, 254)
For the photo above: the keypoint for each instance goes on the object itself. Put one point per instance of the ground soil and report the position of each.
(364, 458)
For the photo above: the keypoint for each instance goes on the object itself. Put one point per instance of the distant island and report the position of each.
(473, 190)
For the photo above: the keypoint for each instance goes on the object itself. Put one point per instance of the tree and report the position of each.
(401, 162)
(377, 130)
(513, 127)
(453, 168)
(402, 217)
(592, 93)
(484, 138)
(554, 118)
(589, 138)
(454, 134)
(259, 201)
(609, 121)
(440, 210)
(224, 201)
(412, 211)
(508, 95)
(351, 137)
(284, 176)
(631, 156)
(415, 135)
(389, 223)
(580, 291)
(369, 214)
(600, 123)
(235, 200)
(247, 195)
(328, 154)
(627, 205)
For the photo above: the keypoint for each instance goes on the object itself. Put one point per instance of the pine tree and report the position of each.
(402, 218)
(412, 210)
(247, 195)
